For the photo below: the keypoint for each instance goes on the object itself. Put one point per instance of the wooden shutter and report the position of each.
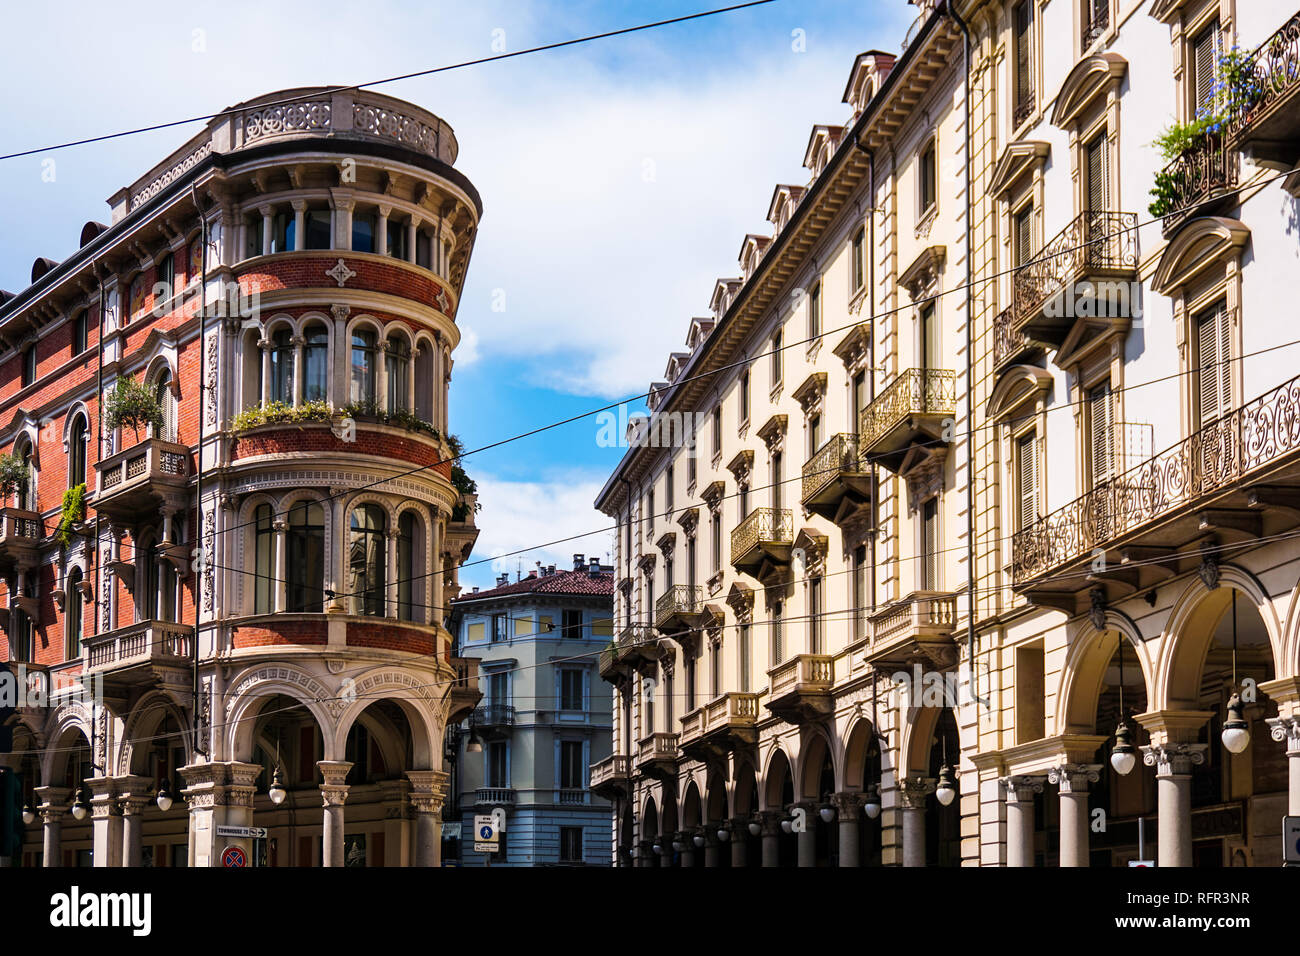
(1027, 473)
(1214, 353)
(930, 545)
(1023, 235)
(1023, 26)
(1205, 55)
(1102, 428)
(1098, 185)
(931, 345)
(778, 639)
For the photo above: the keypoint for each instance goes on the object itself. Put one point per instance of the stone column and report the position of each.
(428, 790)
(1287, 730)
(644, 852)
(106, 821)
(381, 230)
(1073, 780)
(343, 223)
(265, 392)
(268, 227)
(739, 842)
(771, 824)
(687, 840)
(133, 797)
(299, 224)
(847, 805)
(279, 586)
(911, 794)
(412, 232)
(712, 847)
(298, 342)
(53, 807)
(334, 793)
(218, 794)
(390, 585)
(1173, 763)
(807, 840)
(1019, 791)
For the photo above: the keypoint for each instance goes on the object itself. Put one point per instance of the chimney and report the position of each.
(595, 567)
(531, 575)
(476, 589)
(504, 579)
(550, 569)
(578, 561)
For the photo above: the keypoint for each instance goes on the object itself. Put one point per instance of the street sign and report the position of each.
(243, 833)
(1291, 839)
(485, 831)
(232, 858)
(486, 847)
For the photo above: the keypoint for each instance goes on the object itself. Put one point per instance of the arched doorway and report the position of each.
(862, 773)
(817, 787)
(649, 850)
(287, 743)
(943, 823)
(780, 848)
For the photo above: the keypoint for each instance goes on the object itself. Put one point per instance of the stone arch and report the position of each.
(70, 721)
(816, 750)
(692, 807)
(410, 694)
(141, 724)
(1290, 657)
(1090, 653)
(1198, 245)
(858, 744)
(772, 785)
(1189, 631)
(273, 324)
(256, 685)
(717, 796)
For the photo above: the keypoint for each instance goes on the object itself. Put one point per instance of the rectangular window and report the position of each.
(717, 430)
(1022, 235)
(1096, 183)
(668, 571)
(498, 764)
(571, 689)
(778, 635)
(318, 229)
(1213, 364)
(815, 635)
(669, 702)
(715, 534)
(1096, 18)
(814, 434)
(857, 265)
(668, 491)
(743, 657)
(860, 591)
(570, 844)
(931, 338)
(1101, 431)
(1022, 62)
(500, 623)
(776, 480)
(691, 472)
(1027, 480)
(778, 365)
(498, 686)
(742, 501)
(744, 396)
(688, 664)
(815, 312)
(165, 276)
(571, 625)
(715, 670)
(930, 545)
(1206, 49)
(572, 771)
(859, 400)
(650, 508)
(928, 173)
(29, 365)
(81, 333)
(690, 563)
(396, 233)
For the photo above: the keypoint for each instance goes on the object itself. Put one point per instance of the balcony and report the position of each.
(142, 480)
(136, 654)
(1201, 181)
(919, 626)
(835, 484)
(656, 756)
(635, 651)
(494, 797)
(492, 720)
(1093, 259)
(1009, 344)
(20, 538)
(465, 694)
(914, 408)
(1269, 130)
(612, 777)
(800, 689)
(724, 724)
(1232, 481)
(679, 608)
(765, 537)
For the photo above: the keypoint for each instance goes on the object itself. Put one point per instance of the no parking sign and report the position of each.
(233, 858)
(1291, 839)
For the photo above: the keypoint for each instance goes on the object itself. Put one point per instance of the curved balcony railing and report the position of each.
(762, 526)
(1200, 175)
(1008, 342)
(918, 391)
(1277, 74)
(680, 600)
(1094, 242)
(840, 454)
(1252, 438)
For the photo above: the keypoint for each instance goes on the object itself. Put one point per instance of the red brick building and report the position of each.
(231, 523)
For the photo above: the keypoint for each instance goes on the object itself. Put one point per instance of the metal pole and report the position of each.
(204, 557)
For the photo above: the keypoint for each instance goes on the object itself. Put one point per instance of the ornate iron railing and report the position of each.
(1024, 108)
(679, 599)
(1096, 20)
(1252, 437)
(1198, 175)
(762, 525)
(1007, 341)
(492, 715)
(1094, 241)
(838, 455)
(918, 391)
(1277, 73)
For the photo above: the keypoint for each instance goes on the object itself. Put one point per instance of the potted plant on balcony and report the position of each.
(74, 512)
(14, 475)
(132, 404)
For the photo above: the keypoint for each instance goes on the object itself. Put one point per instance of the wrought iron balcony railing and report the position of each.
(679, 603)
(762, 526)
(1269, 126)
(918, 391)
(1095, 242)
(492, 715)
(1008, 342)
(1254, 438)
(1198, 176)
(840, 454)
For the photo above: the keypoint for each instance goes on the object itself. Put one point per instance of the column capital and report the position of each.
(1021, 787)
(1173, 760)
(299, 205)
(103, 797)
(770, 821)
(1286, 730)
(334, 790)
(1074, 777)
(133, 794)
(53, 797)
(912, 791)
(847, 803)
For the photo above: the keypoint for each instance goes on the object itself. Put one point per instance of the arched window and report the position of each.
(367, 559)
(306, 564)
(167, 402)
(410, 551)
(24, 644)
(263, 560)
(147, 581)
(27, 492)
(72, 619)
(363, 367)
(398, 366)
(315, 357)
(281, 367)
(424, 383)
(77, 452)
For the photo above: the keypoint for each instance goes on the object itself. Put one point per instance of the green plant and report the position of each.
(74, 511)
(134, 404)
(278, 413)
(1164, 193)
(399, 417)
(14, 474)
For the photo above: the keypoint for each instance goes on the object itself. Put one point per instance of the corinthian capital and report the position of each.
(1173, 760)
(1074, 777)
(1286, 730)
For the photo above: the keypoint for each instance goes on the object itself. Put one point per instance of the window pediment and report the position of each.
(1088, 335)
(741, 465)
(923, 273)
(1197, 246)
(1016, 386)
(773, 430)
(713, 493)
(809, 394)
(1018, 159)
(1091, 78)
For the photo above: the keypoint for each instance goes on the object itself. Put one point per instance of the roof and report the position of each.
(581, 583)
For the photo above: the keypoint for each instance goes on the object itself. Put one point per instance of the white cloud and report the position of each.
(467, 352)
(521, 514)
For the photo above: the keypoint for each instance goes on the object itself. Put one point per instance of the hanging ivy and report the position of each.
(74, 512)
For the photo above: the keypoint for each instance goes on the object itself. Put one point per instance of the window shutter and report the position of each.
(1027, 468)
(1098, 199)
(1103, 433)
(1213, 357)
(1024, 230)
(930, 544)
(1205, 54)
(1024, 88)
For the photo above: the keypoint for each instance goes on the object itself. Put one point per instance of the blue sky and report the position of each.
(618, 178)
